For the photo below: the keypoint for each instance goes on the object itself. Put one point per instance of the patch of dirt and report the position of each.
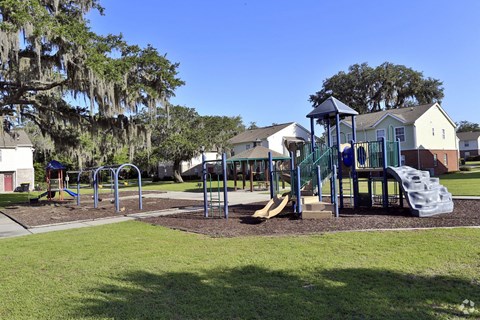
(240, 222)
(50, 212)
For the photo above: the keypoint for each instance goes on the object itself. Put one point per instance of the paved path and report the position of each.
(9, 228)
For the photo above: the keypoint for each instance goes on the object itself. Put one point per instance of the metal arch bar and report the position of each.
(78, 182)
(225, 187)
(117, 199)
(95, 183)
(204, 180)
(270, 173)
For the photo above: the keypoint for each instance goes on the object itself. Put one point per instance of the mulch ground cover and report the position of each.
(51, 212)
(240, 222)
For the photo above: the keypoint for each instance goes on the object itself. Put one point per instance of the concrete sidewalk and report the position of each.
(9, 228)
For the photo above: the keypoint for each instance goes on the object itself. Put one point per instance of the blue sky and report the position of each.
(261, 59)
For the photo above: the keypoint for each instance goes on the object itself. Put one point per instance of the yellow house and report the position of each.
(426, 132)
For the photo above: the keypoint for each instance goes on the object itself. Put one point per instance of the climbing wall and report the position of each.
(425, 195)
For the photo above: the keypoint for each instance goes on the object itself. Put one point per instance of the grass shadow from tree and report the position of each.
(252, 292)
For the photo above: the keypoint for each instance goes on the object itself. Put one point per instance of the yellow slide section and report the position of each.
(273, 207)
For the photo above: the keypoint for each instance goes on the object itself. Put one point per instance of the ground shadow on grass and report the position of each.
(256, 293)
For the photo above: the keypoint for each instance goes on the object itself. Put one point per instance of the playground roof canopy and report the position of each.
(257, 153)
(55, 165)
(330, 108)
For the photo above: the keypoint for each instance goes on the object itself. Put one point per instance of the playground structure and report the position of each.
(374, 163)
(55, 181)
(56, 177)
(213, 200)
(377, 160)
(259, 161)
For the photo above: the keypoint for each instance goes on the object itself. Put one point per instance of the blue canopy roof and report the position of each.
(330, 108)
(55, 165)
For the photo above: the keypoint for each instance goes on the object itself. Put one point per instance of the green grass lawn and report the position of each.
(134, 270)
(463, 183)
(473, 163)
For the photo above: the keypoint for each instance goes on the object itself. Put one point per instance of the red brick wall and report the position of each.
(425, 158)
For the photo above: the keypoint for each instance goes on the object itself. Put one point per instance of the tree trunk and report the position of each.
(176, 172)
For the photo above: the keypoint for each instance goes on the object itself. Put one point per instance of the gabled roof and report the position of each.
(406, 115)
(258, 134)
(14, 139)
(470, 135)
(329, 108)
(257, 153)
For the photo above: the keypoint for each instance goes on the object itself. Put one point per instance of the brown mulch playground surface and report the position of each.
(52, 212)
(240, 222)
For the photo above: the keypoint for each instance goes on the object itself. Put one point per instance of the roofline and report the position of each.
(298, 124)
(334, 126)
(442, 111)
(457, 133)
(387, 115)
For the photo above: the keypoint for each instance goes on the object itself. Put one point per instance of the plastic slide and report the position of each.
(425, 195)
(43, 195)
(70, 192)
(273, 207)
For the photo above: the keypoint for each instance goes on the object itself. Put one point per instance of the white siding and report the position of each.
(275, 141)
(15, 159)
(472, 145)
(434, 121)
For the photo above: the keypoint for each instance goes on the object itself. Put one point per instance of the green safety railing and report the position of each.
(369, 155)
(323, 157)
(392, 154)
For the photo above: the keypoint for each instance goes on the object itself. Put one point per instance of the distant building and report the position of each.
(426, 132)
(193, 167)
(281, 138)
(16, 161)
(469, 143)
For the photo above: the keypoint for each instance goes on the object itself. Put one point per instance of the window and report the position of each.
(334, 140)
(467, 143)
(433, 131)
(400, 134)
(443, 134)
(445, 159)
(349, 137)
(402, 160)
(380, 134)
(247, 147)
(435, 161)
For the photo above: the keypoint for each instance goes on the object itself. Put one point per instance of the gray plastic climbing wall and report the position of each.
(425, 195)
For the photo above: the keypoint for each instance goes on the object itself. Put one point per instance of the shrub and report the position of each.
(465, 168)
